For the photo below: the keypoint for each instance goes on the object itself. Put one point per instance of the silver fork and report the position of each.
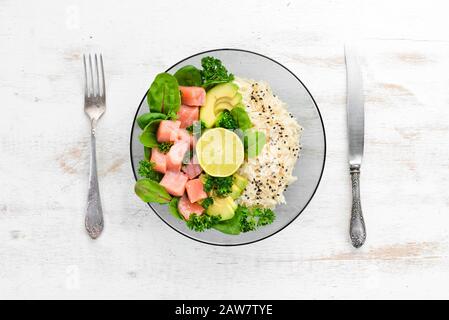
(94, 107)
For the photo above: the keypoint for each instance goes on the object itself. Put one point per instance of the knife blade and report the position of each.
(355, 107)
(356, 131)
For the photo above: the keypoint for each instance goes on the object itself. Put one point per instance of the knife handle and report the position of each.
(357, 229)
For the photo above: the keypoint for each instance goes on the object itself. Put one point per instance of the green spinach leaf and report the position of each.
(173, 208)
(148, 135)
(146, 118)
(231, 226)
(172, 116)
(189, 76)
(147, 152)
(151, 191)
(241, 117)
(164, 96)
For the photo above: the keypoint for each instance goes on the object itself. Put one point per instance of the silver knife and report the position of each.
(356, 130)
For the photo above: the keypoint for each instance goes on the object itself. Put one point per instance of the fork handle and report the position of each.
(357, 228)
(94, 217)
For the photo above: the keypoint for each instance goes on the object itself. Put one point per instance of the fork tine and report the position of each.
(92, 91)
(103, 89)
(86, 90)
(98, 76)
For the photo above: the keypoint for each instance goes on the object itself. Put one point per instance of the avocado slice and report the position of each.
(224, 207)
(239, 186)
(236, 192)
(207, 112)
(240, 181)
(233, 101)
(202, 177)
(223, 105)
(228, 103)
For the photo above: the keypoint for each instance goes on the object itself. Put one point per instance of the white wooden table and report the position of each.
(44, 139)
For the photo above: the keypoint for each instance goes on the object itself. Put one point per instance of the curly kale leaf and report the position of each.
(246, 220)
(214, 72)
(164, 147)
(146, 170)
(196, 127)
(263, 216)
(251, 218)
(202, 223)
(221, 186)
(206, 203)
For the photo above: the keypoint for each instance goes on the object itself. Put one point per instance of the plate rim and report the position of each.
(322, 168)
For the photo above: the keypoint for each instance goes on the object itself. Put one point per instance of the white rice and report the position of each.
(270, 173)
